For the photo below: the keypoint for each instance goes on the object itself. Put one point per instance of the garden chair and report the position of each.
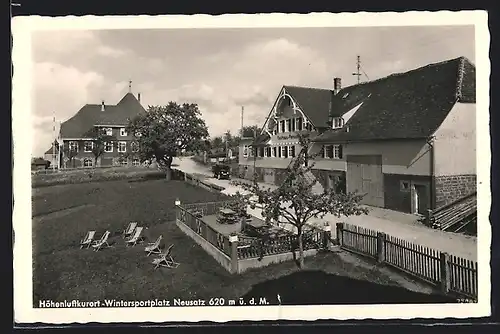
(154, 247)
(87, 241)
(130, 229)
(136, 237)
(102, 243)
(166, 260)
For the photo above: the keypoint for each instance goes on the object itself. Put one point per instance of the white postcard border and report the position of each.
(21, 116)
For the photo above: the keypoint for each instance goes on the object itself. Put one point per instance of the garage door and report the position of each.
(364, 174)
(269, 175)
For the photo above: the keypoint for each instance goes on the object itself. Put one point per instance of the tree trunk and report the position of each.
(301, 248)
(168, 168)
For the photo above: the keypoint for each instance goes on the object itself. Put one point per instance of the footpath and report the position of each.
(397, 224)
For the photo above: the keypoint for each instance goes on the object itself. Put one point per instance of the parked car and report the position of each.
(221, 171)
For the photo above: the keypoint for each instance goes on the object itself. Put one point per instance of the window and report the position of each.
(405, 185)
(268, 151)
(292, 125)
(245, 151)
(337, 122)
(88, 146)
(135, 162)
(73, 146)
(122, 146)
(134, 146)
(279, 151)
(87, 162)
(251, 151)
(291, 151)
(282, 126)
(332, 152)
(123, 132)
(284, 151)
(261, 152)
(299, 123)
(309, 127)
(288, 125)
(108, 131)
(108, 146)
(123, 161)
(273, 152)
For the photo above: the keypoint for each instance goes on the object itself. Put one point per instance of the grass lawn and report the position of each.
(62, 271)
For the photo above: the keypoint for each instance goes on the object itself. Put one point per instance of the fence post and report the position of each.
(327, 235)
(444, 258)
(340, 227)
(380, 247)
(233, 239)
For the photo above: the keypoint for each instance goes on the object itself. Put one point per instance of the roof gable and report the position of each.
(92, 114)
(314, 103)
(407, 105)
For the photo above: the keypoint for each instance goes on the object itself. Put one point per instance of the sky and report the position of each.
(220, 69)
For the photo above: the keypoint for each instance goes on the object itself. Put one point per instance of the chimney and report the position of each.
(139, 97)
(102, 105)
(337, 86)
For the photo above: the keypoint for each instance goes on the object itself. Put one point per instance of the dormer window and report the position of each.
(337, 122)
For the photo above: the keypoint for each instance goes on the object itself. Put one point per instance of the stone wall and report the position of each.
(451, 188)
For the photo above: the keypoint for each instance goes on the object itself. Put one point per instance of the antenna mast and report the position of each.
(358, 67)
(242, 111)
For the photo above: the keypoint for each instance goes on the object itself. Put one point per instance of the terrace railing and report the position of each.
(260, 247)
(197, 225)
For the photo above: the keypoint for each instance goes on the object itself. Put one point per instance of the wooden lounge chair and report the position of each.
(130, 229)
(166, 260)
(136, 237)
(87, 241)
(154, 247)
(102, 243)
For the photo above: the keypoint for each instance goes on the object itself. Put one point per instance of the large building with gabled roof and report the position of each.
(406, 141)
(113, 119)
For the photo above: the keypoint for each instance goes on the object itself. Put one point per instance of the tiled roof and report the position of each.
(261, 139)
(314, 103)
(50, 151)
(403, 106)
(91, 114)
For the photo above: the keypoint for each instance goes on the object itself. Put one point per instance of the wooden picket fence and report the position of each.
(454, 275)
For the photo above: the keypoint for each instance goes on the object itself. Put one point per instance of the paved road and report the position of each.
(394, 223)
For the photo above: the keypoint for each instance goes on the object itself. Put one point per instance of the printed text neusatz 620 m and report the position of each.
(152, 303)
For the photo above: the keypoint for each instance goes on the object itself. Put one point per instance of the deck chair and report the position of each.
(154, 247)
(87, 241)
(130, 229)
(166, 260)
(136, 237)
(102, 243)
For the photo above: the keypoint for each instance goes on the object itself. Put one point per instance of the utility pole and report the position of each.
(242, 111)
(358, 67)
(54, 142)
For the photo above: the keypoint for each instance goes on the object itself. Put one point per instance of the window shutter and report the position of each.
(340, 151)
(322, 151)
(293, 151)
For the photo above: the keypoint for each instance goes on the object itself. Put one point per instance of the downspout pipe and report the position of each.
(432, 171)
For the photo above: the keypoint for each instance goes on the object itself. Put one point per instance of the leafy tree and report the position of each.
(99, 138)
(250, 131)
(217, 143)
(295, 201)
(164, 131)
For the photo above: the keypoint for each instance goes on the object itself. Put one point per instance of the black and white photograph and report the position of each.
(251, 167)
